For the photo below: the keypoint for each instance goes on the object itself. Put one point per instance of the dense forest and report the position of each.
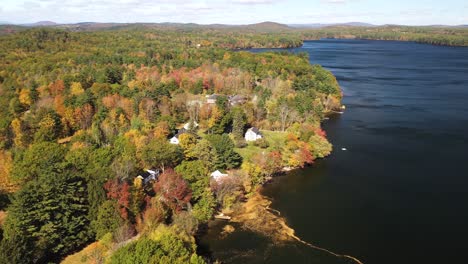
(87, 121)
(270, 34)
(446, 36)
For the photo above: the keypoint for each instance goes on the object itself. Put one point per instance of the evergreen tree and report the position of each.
(49, 214)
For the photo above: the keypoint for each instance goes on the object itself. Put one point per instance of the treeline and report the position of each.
(430, 35)
(84, 113)
(273, 35)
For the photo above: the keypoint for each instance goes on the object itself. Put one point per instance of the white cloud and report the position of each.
(254, 2)
(335, 1)
(228, 11)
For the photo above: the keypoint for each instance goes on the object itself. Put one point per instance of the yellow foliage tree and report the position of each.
(6, 163)
(76, 88)
(162, 130)
(254, 171)
(216, 115)
(18, 132)
(188, 142)
(25, 97)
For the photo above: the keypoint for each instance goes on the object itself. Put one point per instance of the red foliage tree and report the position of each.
(121, 193)
(174, 189)
(270, 162)
(84, 116)
(304, 155)
(321, 132)
(56, 87)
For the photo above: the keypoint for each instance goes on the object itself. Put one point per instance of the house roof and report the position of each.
(255, 130)
(148, 175)
(213, 96)
(217, 173)
(237, 98)
(180, 132)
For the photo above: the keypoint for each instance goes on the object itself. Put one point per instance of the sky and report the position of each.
(407, 12)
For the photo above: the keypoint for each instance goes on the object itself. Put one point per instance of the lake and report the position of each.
(399, 193)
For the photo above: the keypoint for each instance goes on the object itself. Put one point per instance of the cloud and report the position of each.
(254, 2)
(335, 1)
(224, 11)
(30, 5)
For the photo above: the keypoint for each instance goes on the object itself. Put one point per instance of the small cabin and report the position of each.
(253, 134)
(218, 176)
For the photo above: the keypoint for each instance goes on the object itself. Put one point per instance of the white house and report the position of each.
(218, 176)
(174, 140)
(253, 134)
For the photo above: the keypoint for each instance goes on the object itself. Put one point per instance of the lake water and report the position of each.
(399, 194)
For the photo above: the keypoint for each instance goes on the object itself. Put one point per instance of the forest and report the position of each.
(275, 35)
(86, 127)
(445, 36)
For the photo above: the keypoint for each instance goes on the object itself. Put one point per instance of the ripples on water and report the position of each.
(400, 192)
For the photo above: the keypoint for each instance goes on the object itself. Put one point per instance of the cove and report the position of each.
(399, 193)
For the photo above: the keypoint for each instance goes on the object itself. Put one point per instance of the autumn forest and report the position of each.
(88, 119)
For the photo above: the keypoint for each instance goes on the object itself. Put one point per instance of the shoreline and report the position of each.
(256, 215)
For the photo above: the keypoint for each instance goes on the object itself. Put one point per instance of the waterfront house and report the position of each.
(253, 134)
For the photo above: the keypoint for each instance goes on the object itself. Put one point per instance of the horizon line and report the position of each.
(227, 24)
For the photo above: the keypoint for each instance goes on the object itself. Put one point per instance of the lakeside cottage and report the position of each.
(218, 176)
(253, 134)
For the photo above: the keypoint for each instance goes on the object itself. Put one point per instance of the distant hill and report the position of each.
(41, 24)
(268, 26)
(320, 25)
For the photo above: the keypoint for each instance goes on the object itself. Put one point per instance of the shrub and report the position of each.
(262, 143)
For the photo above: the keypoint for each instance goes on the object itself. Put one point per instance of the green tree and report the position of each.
(161, 154)
(39, 159)
(204, 208)
(50, 213)
(196, 174)
(239, 121)
(228, 158)
(108, 219)
(113, 74)
(206, 153)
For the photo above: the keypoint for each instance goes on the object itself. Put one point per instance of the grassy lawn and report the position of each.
(275, 140)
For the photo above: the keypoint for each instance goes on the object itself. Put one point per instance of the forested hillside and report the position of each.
(269, 34)
(83, 114)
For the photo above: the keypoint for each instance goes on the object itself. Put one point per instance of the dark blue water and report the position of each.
(399, 194)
